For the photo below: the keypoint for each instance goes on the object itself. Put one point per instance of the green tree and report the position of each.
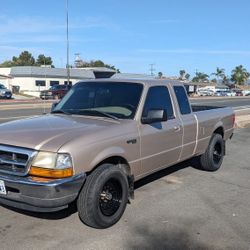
(183, 75)
(200, 77)
(27, 59)
(219, 74)
(160, 74)
(226, 80)
(44, 60)
(24, 59)
(240, 75)
(96, 63)
(187, 76)
(6, 64)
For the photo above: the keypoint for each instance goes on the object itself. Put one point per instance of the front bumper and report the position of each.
(46, 96)
(6, 95)
(27, 194)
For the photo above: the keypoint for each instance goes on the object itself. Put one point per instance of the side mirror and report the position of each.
(154, 115)
(54, 104)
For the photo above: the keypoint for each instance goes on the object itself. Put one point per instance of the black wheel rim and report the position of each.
(110, 197)
(217, 153)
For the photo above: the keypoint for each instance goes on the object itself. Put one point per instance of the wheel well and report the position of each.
(219, 131)
(123, 164)
(116, 160)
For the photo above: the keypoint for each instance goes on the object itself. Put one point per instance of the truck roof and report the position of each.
(142, 81)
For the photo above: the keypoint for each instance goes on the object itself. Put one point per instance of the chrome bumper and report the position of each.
(25, 193)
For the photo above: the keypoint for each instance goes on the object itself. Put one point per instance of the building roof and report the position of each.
(33, 71)
(5, 77)
(132, 76)
(75, 73)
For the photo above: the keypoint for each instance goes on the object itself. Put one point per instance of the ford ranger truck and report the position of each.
(102, 137)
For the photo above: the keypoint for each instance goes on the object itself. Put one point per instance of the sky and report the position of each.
(193, 35)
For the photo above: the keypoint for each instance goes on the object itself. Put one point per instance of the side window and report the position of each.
(158, 98)
(182, 100)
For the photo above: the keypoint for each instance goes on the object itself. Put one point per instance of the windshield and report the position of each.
(2, 86)
(106, 99)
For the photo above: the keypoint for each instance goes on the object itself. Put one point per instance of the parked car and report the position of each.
(102, 137)
(4, 92)
(230, 93)
(246, 92)
(55, 92)
(220, 93)
(238, 93)
(206, 92)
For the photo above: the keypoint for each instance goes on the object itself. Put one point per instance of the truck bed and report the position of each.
(197, 108)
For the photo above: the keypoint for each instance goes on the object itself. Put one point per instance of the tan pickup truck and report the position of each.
(102, 137)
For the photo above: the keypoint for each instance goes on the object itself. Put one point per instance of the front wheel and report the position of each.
(104, 197)
(212, 159)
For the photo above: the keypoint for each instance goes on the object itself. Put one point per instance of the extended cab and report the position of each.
(102, 137)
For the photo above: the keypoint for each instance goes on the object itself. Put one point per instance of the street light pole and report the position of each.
(67, 14)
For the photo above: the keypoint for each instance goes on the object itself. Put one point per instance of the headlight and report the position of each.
(52, 165)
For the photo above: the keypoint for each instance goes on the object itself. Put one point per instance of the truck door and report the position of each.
(161, 142)
(189, 122)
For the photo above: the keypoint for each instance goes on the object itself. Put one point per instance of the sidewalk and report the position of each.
(242, 121)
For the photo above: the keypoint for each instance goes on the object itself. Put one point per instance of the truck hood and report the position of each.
(50, 132)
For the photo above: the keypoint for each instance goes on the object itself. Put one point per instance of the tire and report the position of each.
(212, 159)
(104, 197)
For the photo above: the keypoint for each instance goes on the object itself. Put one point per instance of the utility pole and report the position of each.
(67, 21)
(152, 69)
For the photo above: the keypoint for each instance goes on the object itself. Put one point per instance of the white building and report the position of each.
(31, 78)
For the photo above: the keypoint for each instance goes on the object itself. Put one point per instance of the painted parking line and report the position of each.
(15, 117)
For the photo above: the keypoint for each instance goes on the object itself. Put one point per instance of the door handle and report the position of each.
(177, 128)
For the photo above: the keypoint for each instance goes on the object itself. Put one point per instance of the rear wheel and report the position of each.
(104, 197)
(212, 159)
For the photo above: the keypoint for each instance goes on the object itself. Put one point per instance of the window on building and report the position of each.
(182, 99)
(40, 83)
(159, 98)
(66, 82)
(52, 83)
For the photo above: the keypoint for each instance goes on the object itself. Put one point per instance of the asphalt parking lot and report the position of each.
(178, 208)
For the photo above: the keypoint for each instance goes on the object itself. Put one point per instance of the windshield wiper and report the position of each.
(94, 111)
(60, 111)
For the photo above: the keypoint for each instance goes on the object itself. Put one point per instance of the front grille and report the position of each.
(14, 160)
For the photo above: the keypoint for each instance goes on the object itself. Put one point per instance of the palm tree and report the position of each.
(182, 74)
(160, 75)
(200, 77)
(240, 75)
(220, 73)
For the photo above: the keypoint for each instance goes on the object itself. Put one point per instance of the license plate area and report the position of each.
(2, 188)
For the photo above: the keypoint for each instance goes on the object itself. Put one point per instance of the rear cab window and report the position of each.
(158, 97)
(182, 99)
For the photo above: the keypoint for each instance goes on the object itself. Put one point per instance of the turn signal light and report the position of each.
(51, 173)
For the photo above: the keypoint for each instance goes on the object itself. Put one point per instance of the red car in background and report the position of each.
(238, 93)
(55, 92)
